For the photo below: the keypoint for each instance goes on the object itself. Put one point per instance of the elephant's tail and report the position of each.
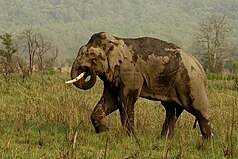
(195, 123)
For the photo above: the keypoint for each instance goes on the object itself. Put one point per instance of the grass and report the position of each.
(44, 118)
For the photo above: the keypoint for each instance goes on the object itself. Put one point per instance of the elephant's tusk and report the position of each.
(76, 78)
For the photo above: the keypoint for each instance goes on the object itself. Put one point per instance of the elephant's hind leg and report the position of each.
(194, 100)
(204, 123)
(199, 108)
(173, 111)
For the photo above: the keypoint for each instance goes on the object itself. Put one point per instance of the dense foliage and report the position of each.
(71, 23)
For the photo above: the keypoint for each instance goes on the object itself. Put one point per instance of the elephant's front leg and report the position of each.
(129, 91)
(126, 108)
(105, 106)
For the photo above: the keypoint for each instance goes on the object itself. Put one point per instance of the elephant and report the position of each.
(142, 67)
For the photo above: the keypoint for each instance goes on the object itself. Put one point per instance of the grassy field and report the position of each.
(42, 117)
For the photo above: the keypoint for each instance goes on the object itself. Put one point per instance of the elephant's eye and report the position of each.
(101, 57)
(91, 54)
(104, 47)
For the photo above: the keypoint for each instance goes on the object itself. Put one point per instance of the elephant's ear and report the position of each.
(117, 53)
(115, 57)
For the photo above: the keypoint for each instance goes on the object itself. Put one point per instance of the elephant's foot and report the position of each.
(101, 128)
(97, 121)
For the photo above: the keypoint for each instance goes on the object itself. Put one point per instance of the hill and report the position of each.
(71, 23)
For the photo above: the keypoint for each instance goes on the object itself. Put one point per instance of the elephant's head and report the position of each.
(99, 56)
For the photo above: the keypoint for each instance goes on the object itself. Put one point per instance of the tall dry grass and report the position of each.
(44, 118)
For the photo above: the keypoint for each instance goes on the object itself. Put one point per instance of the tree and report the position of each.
(7, 52)
(211, 42)
(44, 45)
(29, 39)
(36, 46)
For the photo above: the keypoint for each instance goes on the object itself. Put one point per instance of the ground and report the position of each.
(42, 117)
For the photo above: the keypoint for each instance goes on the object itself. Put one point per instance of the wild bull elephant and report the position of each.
(142, 67)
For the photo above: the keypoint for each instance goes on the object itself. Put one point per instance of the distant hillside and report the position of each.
(70, 23)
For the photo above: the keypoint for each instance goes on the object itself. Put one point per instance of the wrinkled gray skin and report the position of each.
(144, 67)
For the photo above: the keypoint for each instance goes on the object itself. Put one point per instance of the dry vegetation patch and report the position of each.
(44, 118)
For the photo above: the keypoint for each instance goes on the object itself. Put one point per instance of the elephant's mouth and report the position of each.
(79, 77)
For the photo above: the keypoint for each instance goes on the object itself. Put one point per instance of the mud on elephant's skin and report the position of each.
(143, 67)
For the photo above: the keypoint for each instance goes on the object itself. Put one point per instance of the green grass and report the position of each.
(39, 118)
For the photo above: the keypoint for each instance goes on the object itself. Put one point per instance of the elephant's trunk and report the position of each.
(81, 83)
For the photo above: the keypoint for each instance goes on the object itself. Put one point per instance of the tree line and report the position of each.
(31, 50)
(71, 23)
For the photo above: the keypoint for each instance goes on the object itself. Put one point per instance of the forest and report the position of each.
(69, 24)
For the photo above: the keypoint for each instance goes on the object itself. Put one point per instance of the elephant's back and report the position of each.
(146, 46)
